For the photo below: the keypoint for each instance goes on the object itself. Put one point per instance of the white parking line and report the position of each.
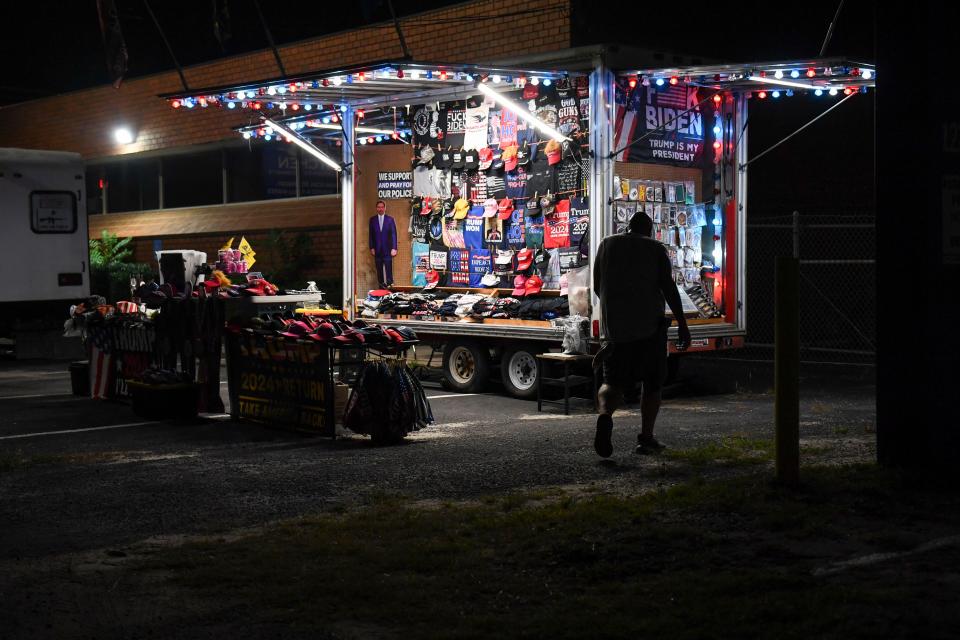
(36, 395)
(56, 433)
(454, 395)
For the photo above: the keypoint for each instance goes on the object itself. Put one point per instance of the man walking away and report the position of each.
(632, 277)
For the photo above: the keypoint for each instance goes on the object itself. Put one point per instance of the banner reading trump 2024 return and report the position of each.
(677, 138)
(394, 185)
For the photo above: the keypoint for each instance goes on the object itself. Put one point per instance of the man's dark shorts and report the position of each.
(639, 361)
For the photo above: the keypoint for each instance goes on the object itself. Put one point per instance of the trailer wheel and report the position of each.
(519, 371)
(466, 366)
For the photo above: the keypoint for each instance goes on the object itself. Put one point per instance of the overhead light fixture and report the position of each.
(521, 112)
(303, 144)
(123, 135)
(783, 83)
(323, 125)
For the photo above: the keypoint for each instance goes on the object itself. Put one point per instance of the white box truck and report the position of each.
(44, 252)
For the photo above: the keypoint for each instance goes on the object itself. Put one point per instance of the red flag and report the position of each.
(113, 43)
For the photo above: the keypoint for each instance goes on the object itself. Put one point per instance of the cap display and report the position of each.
(437, 207)
(490, 280)
(426, 155)
(486, 157)
(524, 259)
(547, 204)
(447, 208)
(460, 209)
(509, 156)
(533, 285)
(443, 160)
(427, 207)
(530, 91)
(433, 278)
(497, 164)
(470, 160)
(457, 160)
(533, 206)
(553, 151)
(490, 208)
(505, 208)
(505, 257)
(523, 155)
(519, 286)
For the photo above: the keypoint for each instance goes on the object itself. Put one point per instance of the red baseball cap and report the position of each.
(533, 285)
(486, 158)
(505, 208)
(519, 286)
(433, 278)
(524, 259)
(554, 152)
(530, 91)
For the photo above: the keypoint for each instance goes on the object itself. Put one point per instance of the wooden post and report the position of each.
(787, 370)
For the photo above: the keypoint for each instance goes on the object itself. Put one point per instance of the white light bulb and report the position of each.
(336, 81)
(867, 74)
(271, 91)
(246, 135)
(495, 79)
(794, 74)
(534, 81)
(778, 75)
(833, 92)
(123, 135)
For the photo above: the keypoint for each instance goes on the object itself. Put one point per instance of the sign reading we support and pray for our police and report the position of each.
(394, 185)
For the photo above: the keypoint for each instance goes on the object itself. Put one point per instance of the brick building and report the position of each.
(190, 181)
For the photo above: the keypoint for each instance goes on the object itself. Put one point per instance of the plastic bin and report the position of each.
(165, 401)
(80, 378)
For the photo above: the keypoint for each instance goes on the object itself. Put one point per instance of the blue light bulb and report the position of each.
(231, 105)
(818, 92)
(775, 94)
(546, 82)
(794, 74)
(379, 138)
(717, 130)
(659, 82)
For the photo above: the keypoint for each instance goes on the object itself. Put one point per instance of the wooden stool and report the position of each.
(567, 381)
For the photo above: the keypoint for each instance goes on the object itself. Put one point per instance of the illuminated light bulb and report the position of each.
(295, 106)
(307, 107)
(395, 136)
(360, 113)
(379, 138)
(546, 82)
(336, 81)
(414, 73)
(175, 104)
(762, 95)
(268, 130)
(246, 135)
(429, 75)
(789, 93)
(268, 137)
(272, 91)
(400, 74)
(717, 130)
(632, 82)
(256, 105)
(370, 140)
(818, 92)
(811, 72)
(349, 79)
(717, 145)
(834, 91)
(866, 74)
(343, 108)
(325, 82)
(250, 94)
(334, 118)
(203, 102)
(443, 75)
(534, 81)
(403, 134)
(361, 76)
(326, 120)
(659, 82)
(847, 91)
(674, 80)
(717, 98)
(363, 141)
(495, 79)
(794, 74)
(778, 74)
(775, 94)
(231, 105)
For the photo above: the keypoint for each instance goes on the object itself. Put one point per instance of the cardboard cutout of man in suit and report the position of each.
(383, 243)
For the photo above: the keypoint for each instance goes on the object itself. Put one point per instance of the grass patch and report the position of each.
(731, 558)
(730, 451)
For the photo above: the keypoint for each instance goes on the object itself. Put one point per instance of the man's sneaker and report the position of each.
(648, 446)
(601, 442)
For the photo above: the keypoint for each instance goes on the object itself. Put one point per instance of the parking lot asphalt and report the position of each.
(78, 474)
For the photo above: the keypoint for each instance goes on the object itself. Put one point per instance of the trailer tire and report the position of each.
(519, 371)
(466, 366)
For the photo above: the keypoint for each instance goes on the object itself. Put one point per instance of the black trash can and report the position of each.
(80, 378)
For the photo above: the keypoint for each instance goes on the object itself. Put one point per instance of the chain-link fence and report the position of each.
(838, 295)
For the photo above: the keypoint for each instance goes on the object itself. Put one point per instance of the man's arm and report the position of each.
(672, 296)
(394, 234)
(599, 267)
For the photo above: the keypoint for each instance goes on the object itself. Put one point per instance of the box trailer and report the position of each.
(42, 207)
(671, 142)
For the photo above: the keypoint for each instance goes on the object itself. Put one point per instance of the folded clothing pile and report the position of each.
(335, 332)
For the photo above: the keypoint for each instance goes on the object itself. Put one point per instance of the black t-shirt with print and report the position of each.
(454, 124)
(568, 176)
(540, 177)
(568, 112)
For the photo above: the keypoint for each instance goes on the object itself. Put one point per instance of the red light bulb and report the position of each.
(334, 119)
(762, 95)
(674, 80)
(370, 140)
(362, 76)
(359, 113)
(175, 104)
(295, 106)
(443, 75)
(633, 83)
(847, 91)
(400, 73)
(811, 72)
(717, 145)
(326, 82)
(717, 98)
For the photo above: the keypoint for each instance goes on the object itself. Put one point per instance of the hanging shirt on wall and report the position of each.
(551, 279)
(473, 228)
(496, 186)
(477, 181)
(516, 237)
(455, 120)
(579, 220)
(541, 176)
(419, 228)
(568, 112)
(453, 234)
(547, 108)
(516, 182)
(533, 232)
(427, 127)
(438, 259)
(569, 258)
(557, 226)
(421, 263)
(476, 127)
(568, 176)
(480, 265)
(508, 128)
(459, 267)
(493, 128)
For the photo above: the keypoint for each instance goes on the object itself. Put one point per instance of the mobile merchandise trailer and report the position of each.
(671, 142)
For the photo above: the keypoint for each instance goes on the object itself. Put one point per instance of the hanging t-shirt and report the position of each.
(516, 182)
(427, 125)
(419, 228)
(433, 183)
(476, 127)
(455, 113)
(568, 176)
(480, 265)
(459, 267)
(546, 104)
(551, 279)
(568, 112)
(438, 259)
(436, 229)
(557, 226)
(569, 258)
(421, 263)
(533, 232)
(579, 220)
(493, 231)
(496, 186)
(477, 181)
(493, 128)
(453, 234)
(541, 176)
(516, 238)
(473, 228)
(508, 128)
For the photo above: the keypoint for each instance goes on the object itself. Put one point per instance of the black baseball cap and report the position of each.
(471, 159)
(443, 159)
(457, 159)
